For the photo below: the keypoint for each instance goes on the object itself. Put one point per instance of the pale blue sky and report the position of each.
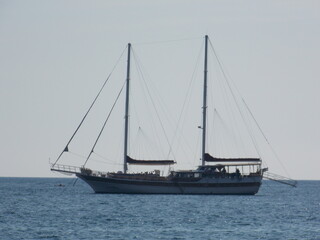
(54, 56)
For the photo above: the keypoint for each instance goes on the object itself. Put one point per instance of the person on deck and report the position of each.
(238, 173)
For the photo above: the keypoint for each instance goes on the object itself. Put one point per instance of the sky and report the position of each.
(55, 55)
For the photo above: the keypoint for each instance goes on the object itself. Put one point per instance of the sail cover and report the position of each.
(149, 162)
(209, 158)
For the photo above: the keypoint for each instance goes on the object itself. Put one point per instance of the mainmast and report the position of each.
(126, 117)
(204, 107)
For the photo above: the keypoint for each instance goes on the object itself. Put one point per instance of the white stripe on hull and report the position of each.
(221, 186)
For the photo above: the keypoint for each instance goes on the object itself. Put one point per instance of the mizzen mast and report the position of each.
(126, 117)
(204, 107)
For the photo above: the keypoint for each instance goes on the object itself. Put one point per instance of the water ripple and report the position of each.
(37, 209)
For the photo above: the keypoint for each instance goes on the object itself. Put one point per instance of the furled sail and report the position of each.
(149, 162)
(209, 158)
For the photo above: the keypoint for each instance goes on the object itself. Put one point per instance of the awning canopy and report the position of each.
(209, 158)
(149, 162)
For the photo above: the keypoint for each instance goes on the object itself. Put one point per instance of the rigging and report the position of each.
(66, 149)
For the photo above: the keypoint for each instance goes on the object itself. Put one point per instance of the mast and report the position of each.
(204, 106)
(126, 117)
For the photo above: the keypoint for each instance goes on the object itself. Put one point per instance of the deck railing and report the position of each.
(65, 168)
(75, 170)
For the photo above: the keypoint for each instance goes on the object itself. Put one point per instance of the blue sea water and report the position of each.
(38, 208)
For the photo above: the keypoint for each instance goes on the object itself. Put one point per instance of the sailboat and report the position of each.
(214, 176)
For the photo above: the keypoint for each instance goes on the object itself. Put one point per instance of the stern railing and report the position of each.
(280, 179)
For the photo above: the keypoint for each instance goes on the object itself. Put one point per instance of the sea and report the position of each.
(66, 208)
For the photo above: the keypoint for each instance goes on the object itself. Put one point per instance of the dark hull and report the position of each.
(222, 186)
